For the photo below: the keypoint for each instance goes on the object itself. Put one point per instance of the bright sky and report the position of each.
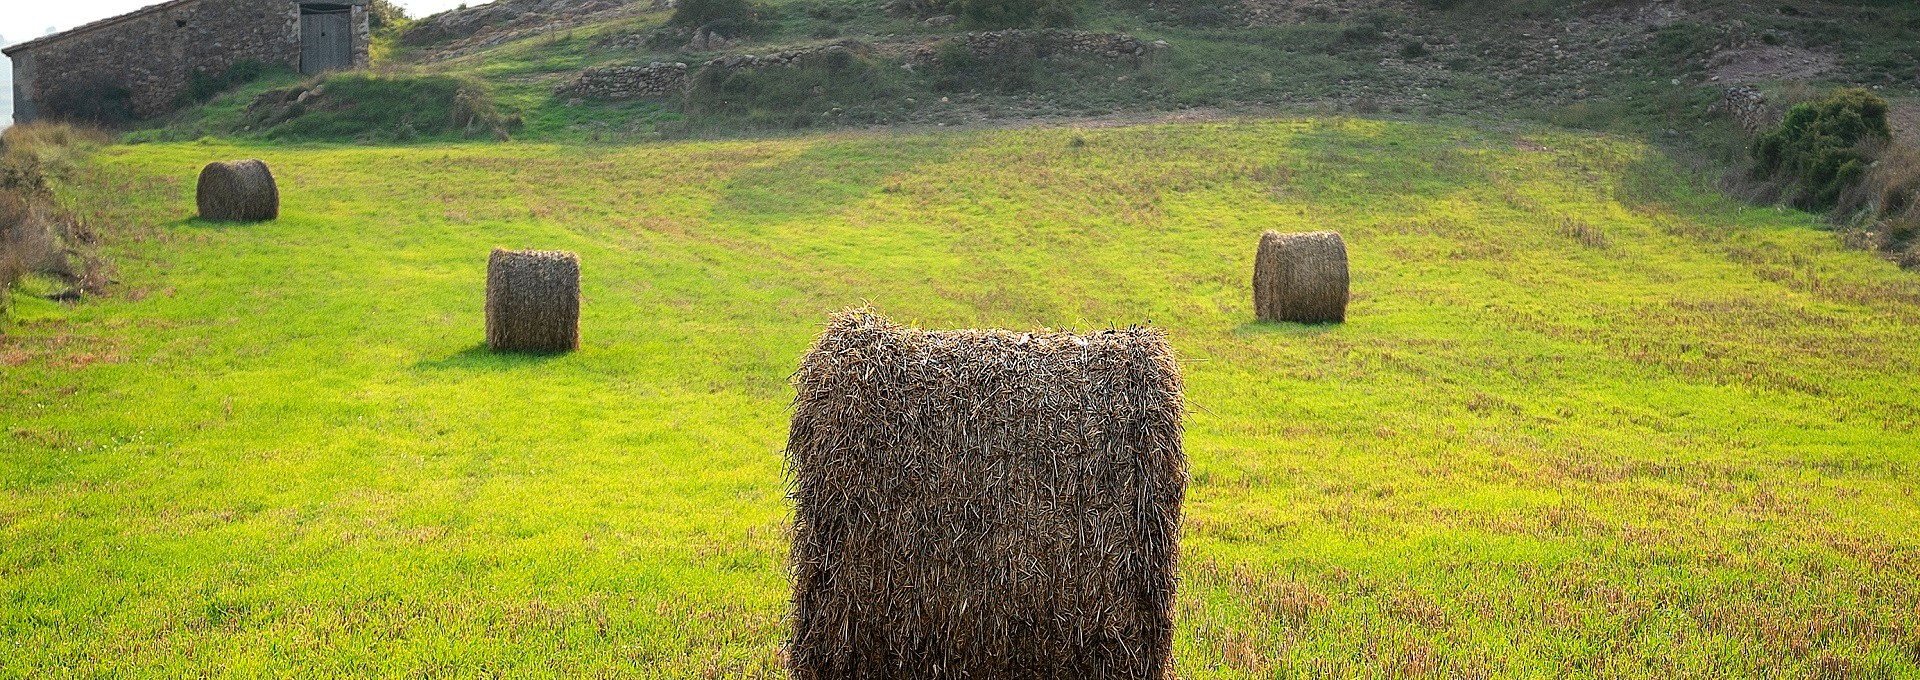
(22, 20)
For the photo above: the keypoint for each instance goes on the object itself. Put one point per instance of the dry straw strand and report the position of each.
(1301, 278)
(238, 191)
(984, 503)
(533, 301)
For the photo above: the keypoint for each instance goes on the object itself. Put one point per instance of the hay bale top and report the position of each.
(538, 259)
(1042, 360)
(238, 191)
(1324, 235)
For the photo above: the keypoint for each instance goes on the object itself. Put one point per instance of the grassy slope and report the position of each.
(1581, 423)
(1481, 58)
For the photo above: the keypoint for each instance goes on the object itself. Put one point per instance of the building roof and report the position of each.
(144, 11)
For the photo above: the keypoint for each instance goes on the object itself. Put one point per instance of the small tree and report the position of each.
(383, 15)
(1817, 146)
(1018, 13)
(725, 17)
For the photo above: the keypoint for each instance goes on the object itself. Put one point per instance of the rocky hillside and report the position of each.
(614, 69)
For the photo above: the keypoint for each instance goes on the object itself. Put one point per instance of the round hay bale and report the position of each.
(533, 301)
(238, 191)
(984, 503)
(1301, 278)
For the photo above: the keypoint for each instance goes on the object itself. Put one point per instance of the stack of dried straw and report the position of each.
(1301, 277)
(238, 191)
(533, 301)
(984, 504)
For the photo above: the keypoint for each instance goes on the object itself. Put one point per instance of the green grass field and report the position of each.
(1584, 420)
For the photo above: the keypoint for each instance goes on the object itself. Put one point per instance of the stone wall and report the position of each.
(628, 82)
(23, 107)
(1748, 109)
(789, 58)
(362, 38)
(149, 56)
(1043, 42)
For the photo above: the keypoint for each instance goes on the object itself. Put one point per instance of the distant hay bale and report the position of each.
(1301, 278)
(984, 504)
(533, 301)
(238, 191)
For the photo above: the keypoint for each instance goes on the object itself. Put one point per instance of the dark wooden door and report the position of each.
(326, 41)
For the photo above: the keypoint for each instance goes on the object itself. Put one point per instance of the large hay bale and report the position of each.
(533, 301)
(238, 191)
(984, 504)
(1301, 277)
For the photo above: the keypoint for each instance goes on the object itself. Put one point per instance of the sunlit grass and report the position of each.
(1583, 421)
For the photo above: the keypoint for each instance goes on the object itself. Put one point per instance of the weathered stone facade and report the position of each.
(146, 59)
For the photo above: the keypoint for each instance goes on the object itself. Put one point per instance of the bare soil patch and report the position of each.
(1771, 62)
(1905, 119)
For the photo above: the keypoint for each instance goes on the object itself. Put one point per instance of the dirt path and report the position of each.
(1772, 62)
(1905, 119)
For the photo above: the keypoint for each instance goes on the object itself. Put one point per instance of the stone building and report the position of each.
(139, 65)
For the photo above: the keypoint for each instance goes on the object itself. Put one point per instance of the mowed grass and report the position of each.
(1584, 420)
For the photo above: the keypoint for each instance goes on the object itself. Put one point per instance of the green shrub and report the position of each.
(1683, 40)
(203, 86)
(360, 106)
(1019, 13)
(383, 15)
(726, 17)
(96, 101)
(1817, 147)
(1014, 68)
(1361, 34)
(837, 86)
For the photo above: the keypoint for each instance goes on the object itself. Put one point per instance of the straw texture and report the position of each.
(238, 191)
(1301, 278)
(533, 301)
(984, 504)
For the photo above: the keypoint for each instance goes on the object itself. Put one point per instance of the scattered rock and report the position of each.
(466, 30)
(498, 16)
(707, 41)
(789, 58)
